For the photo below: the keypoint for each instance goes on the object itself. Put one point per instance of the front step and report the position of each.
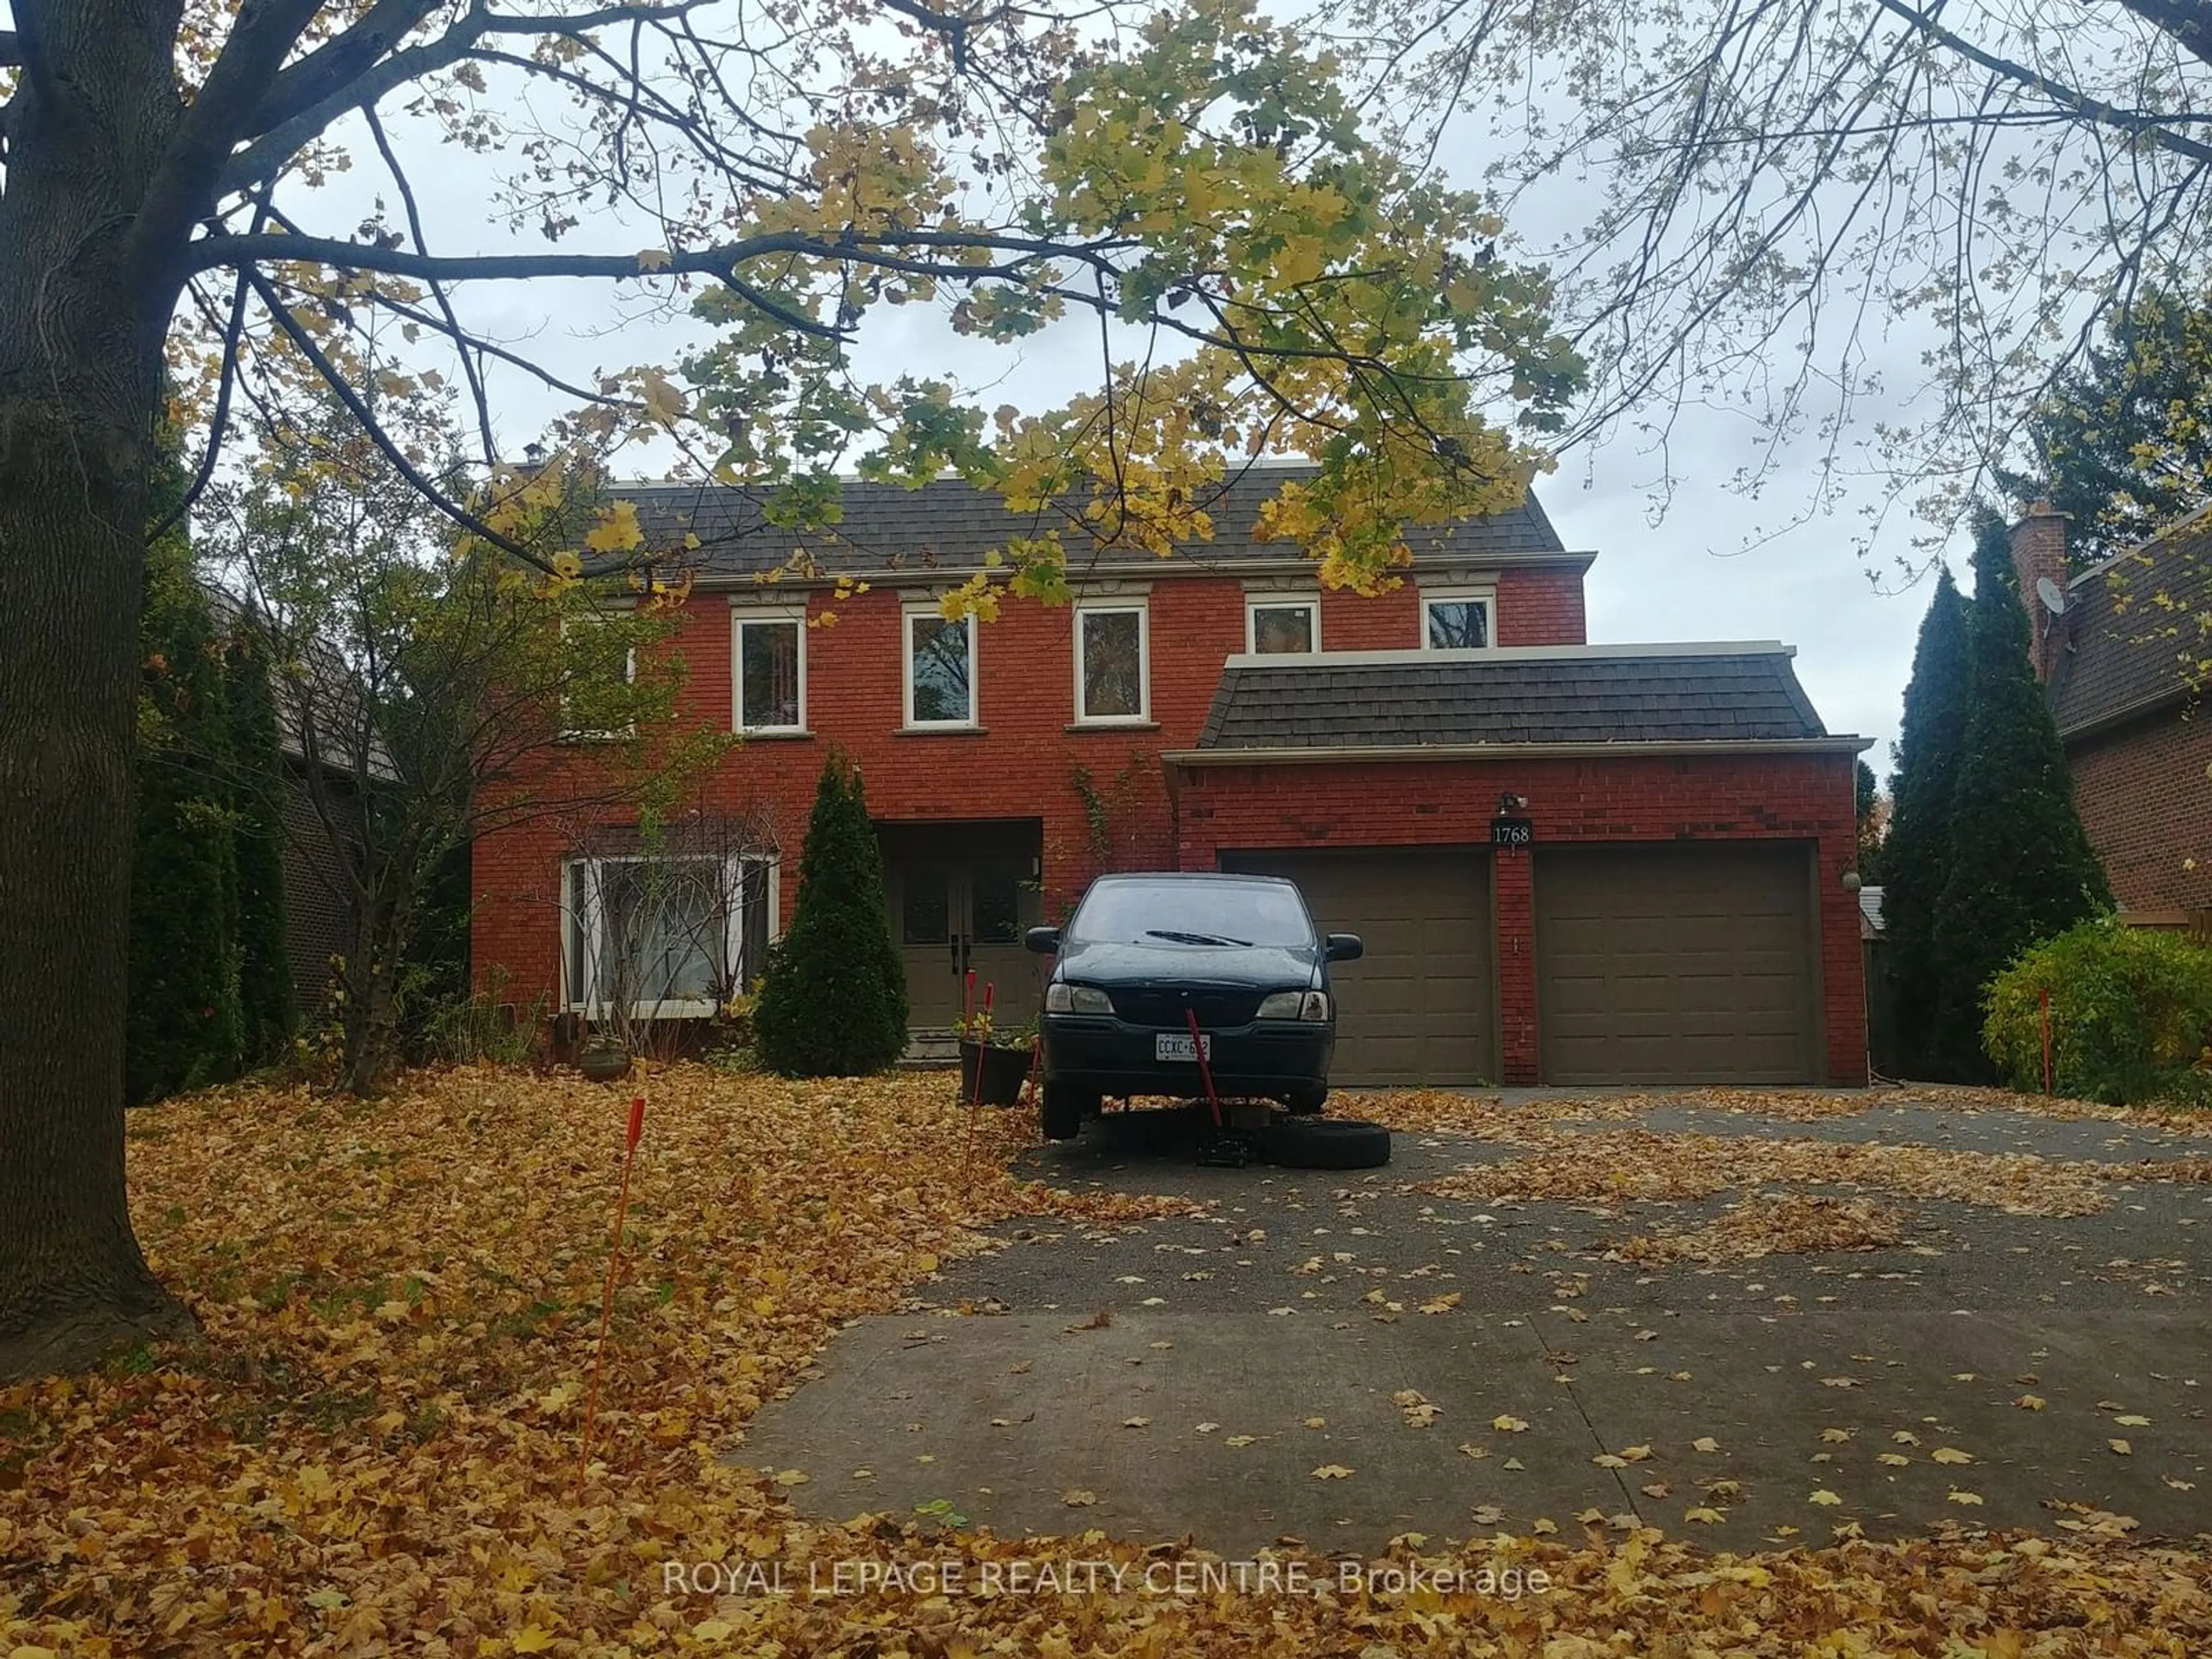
(931, 1050)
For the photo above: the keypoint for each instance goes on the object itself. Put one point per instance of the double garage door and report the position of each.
(1655, 963)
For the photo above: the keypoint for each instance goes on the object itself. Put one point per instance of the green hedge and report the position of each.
(2131, 1015)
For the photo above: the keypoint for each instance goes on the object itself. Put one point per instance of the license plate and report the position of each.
(1177, 1045)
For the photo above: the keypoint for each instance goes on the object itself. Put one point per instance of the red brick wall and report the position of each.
(1537, 605)
(1540, 604)
(1354, 804)
(1022, 766)
(2146, 803)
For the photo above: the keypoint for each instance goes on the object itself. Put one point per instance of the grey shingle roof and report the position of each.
(2126, 649)
(1396, 699)
(949, 525)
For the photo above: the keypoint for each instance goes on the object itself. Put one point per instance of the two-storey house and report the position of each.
(1571, 863)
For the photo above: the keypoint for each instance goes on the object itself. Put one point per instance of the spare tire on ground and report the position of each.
(1328, 1142)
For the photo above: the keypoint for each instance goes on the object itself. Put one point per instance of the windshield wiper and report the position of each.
(1192, 939)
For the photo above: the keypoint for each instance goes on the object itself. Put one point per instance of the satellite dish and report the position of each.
(2052, 595)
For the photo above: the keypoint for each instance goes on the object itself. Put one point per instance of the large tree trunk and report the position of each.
(80, 381)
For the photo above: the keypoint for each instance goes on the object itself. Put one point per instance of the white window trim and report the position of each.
(1143, 614)
(588, 906)
(1485, 596)
(739, 618)
(911, 615)
(1255, 603)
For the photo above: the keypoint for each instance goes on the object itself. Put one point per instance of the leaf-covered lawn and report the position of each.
(377, 1450)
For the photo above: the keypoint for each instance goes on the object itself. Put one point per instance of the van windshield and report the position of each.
(1193, 913)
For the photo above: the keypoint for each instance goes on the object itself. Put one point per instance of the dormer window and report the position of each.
(1458, 621)
(1276, 626)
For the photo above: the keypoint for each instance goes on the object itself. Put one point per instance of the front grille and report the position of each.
(1164, 1009)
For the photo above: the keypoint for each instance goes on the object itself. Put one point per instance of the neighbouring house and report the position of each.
(1571, 863)
(2126, 657)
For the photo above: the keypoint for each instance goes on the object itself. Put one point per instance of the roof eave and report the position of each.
(1188, 564)
(1507, 751)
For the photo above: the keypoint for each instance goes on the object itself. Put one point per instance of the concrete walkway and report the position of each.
(1190, 1377)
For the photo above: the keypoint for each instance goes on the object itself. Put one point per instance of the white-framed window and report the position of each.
(939, 666)
(767, 670)
(1112, 664)
(573, 628)
(1275, 623)
(668, 937)
(1466, 621)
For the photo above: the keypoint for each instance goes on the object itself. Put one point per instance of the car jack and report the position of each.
(1223, 1148)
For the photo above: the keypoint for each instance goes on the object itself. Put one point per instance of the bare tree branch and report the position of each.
(437, 290)
(305, 343)
(2153, 129)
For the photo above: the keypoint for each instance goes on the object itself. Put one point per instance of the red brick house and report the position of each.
(1664, 900)
(2126, 660)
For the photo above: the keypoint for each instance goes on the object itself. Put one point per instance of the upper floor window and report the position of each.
(1275, 625)
(1457, 621)
(940, 669)
(1112, 658)
(768, 649)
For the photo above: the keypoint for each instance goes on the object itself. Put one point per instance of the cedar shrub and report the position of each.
(1915, 853)
(2021, 867)
(833, 1000)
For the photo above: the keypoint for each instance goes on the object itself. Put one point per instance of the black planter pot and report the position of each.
(604, 1064)
(1005, 1071)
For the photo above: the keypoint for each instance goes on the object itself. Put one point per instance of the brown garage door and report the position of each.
(1417, 1008)
(1675, 963)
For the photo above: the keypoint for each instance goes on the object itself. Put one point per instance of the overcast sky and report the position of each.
(1710, 567)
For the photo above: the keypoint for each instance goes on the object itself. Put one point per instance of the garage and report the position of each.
(1418, 1007)
(1677, 964)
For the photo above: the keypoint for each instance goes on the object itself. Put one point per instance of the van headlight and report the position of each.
(1295, 1005)
(1060, 997)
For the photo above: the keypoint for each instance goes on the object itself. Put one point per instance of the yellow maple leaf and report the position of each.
(618, 530)
(1957, 1496)
(534, 1639)
(1951, 1454)
(653, 258)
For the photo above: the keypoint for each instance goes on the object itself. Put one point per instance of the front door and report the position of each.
(960, 904)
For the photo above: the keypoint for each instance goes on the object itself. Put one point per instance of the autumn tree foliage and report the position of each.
(1263, 276)
(833, 1001)
(436, 688)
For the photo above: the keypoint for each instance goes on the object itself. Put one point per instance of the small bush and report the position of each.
(2131, 1015)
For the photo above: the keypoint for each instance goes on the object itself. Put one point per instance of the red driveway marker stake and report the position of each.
(975, 1098)
(2045, 996)
(607, 1295)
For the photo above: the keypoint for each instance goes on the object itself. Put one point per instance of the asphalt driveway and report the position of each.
(1341, 1358)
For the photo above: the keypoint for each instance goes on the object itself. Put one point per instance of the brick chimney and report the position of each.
(2039, 550)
